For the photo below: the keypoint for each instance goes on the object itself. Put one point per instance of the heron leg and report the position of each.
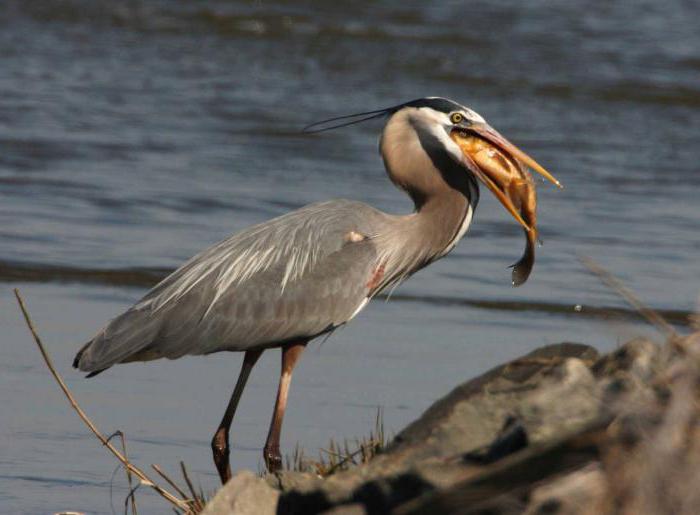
(219, 444)
(271, 452)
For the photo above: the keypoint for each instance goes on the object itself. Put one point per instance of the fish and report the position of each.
(512, 183)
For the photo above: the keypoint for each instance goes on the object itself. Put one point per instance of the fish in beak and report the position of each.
(502, 167)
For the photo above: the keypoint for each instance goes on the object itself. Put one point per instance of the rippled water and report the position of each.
(134, 134)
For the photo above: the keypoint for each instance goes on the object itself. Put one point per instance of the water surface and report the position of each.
(133, 135)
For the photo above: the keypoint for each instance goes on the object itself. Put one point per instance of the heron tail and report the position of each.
(123, 339)
(79, 355)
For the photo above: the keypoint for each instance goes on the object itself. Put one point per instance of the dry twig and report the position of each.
(616, 285)
(179, 503)
(339, 456)
(169, 481)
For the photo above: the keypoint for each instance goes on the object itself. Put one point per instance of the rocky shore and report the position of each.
(561, 430)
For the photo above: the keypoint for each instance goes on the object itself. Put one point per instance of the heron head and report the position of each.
(450, 137)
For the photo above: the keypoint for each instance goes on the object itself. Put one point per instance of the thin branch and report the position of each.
(613, 283)
(143, 478)
(169, 481)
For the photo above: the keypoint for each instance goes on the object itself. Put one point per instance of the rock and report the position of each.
(427, 455)
(348, 509)
(244, 494)
(512, 438)
(559, 430)
(640, 358)
(579, 493)
(504, 487)
(473, 413)
(300, 481)
(567, 398)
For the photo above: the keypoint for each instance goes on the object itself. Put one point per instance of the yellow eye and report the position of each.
(456, 117)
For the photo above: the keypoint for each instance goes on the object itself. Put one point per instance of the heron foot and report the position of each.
(273, 458)
(220, 451)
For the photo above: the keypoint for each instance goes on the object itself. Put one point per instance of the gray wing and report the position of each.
(296, 276)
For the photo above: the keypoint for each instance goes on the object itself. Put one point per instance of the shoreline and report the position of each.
(561, 428)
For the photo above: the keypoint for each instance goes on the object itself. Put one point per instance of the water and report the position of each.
(134, 134)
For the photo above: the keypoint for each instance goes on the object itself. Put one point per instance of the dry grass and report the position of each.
(341, 456)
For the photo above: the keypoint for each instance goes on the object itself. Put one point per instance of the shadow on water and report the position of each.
(147, 277)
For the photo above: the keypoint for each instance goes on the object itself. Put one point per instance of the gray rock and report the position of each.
(524, 437)
(640, 358)
(579, 493)
(473, 413)
(285, 480)
(567, 398)
(347, 509)
(244, 494)
(427, 455)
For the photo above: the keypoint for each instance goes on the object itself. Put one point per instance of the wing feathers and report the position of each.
(296, 275)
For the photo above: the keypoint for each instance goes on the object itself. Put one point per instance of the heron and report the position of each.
(284, 282)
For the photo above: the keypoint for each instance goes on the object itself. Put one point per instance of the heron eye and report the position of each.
(456, 117)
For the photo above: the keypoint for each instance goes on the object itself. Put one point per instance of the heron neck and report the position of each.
(441, 221)
(411, 242)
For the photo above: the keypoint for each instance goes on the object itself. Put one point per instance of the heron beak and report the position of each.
(500, 165)
(493, 136)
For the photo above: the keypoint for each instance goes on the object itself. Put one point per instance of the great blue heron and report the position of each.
(301, 275)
